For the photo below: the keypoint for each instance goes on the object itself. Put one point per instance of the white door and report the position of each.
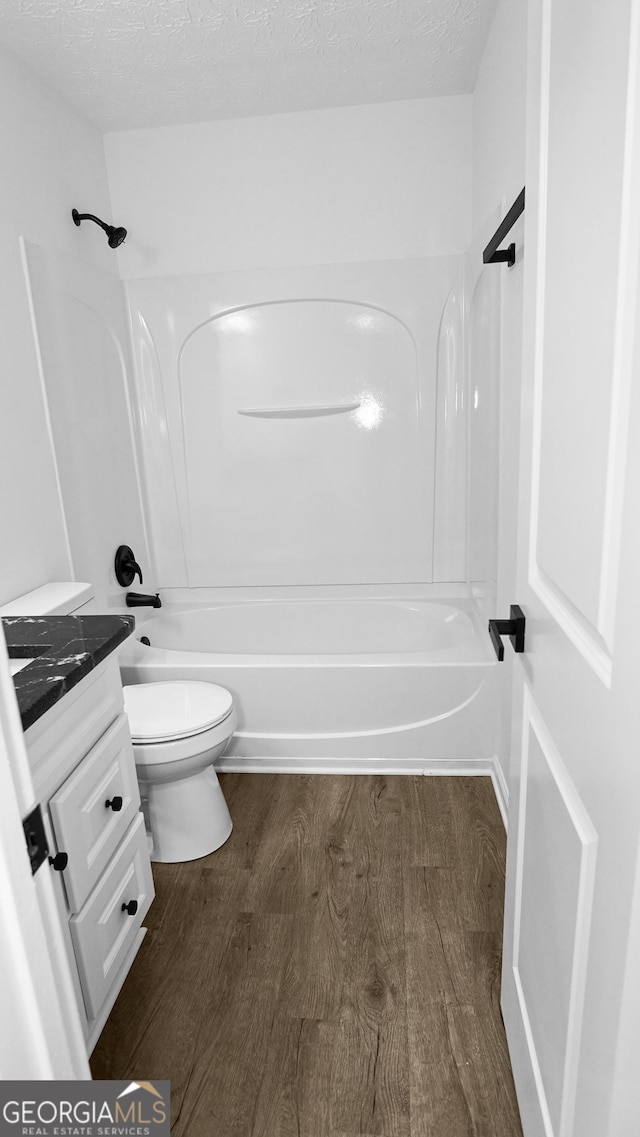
(574, 820)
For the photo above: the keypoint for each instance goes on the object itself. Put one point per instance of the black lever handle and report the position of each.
(513, 627)
(114, 803)
(126, 566)
(131, 908)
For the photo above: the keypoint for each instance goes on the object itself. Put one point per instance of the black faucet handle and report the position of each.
(137, 571)
(126, 566)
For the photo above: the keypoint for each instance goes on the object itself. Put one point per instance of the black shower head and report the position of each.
(115, 236)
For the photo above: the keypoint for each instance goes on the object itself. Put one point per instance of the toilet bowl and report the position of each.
(178, 729)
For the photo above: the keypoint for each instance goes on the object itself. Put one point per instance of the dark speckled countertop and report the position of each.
(64, 649)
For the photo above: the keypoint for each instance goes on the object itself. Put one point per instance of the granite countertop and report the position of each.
(64, 649)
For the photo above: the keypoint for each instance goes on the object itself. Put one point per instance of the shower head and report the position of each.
(115, 236)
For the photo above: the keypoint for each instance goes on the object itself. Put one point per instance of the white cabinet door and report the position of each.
(104, 931)
(574, 823)
(86, 827)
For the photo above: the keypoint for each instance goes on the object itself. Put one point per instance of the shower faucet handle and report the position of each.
(126, 566)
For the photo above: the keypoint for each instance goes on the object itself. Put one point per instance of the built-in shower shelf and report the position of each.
(300, 412)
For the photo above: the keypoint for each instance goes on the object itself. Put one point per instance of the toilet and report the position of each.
(178, 729)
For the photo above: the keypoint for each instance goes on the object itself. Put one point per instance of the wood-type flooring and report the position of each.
(332, 971)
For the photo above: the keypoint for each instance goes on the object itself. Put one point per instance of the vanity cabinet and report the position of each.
(93, 809)
(83, 768)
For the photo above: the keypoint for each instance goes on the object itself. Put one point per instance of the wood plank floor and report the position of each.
(332, 971)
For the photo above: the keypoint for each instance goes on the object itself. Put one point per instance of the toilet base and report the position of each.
(188, 818)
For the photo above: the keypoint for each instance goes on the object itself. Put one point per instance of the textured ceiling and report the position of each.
(130, 63)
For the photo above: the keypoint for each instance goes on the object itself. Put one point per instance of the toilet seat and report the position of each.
(175, 759)
(168, 712)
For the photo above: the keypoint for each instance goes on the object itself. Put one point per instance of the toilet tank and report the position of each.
(70, 598)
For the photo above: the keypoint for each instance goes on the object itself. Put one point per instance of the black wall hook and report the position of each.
(492, 254)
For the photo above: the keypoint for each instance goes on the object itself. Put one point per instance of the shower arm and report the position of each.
(78, 217)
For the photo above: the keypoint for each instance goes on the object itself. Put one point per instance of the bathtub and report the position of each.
(333, 684)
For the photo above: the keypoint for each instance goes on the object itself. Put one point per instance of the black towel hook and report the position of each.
(492, 254)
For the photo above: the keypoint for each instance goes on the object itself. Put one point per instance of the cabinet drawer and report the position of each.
(86, 828)
(62, 737)
(102, 933)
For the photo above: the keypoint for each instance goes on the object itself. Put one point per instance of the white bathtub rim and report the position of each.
(473, 651)
(179, 597)
(134, 653)
(320, 627)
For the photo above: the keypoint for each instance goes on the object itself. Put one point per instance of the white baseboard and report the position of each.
(501, 789)
(234, 763)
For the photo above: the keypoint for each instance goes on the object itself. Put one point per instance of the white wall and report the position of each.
(499, 132)
(381, 182)
(499, 112)
(52, 160)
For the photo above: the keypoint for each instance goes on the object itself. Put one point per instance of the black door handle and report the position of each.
(114, 803)
(131, 908)
(59, 862)
(513, 627)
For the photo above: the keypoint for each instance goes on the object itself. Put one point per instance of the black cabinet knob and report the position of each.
(59, 862)
(131, 908)
(114, 803)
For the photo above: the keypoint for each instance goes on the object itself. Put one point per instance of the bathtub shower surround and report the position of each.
(451, 458)
(482, 344)
(304, 436)
(79, 324)
(289, 424)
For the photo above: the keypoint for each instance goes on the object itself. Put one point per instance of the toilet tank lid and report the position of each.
(162, 712)
(56, 599)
